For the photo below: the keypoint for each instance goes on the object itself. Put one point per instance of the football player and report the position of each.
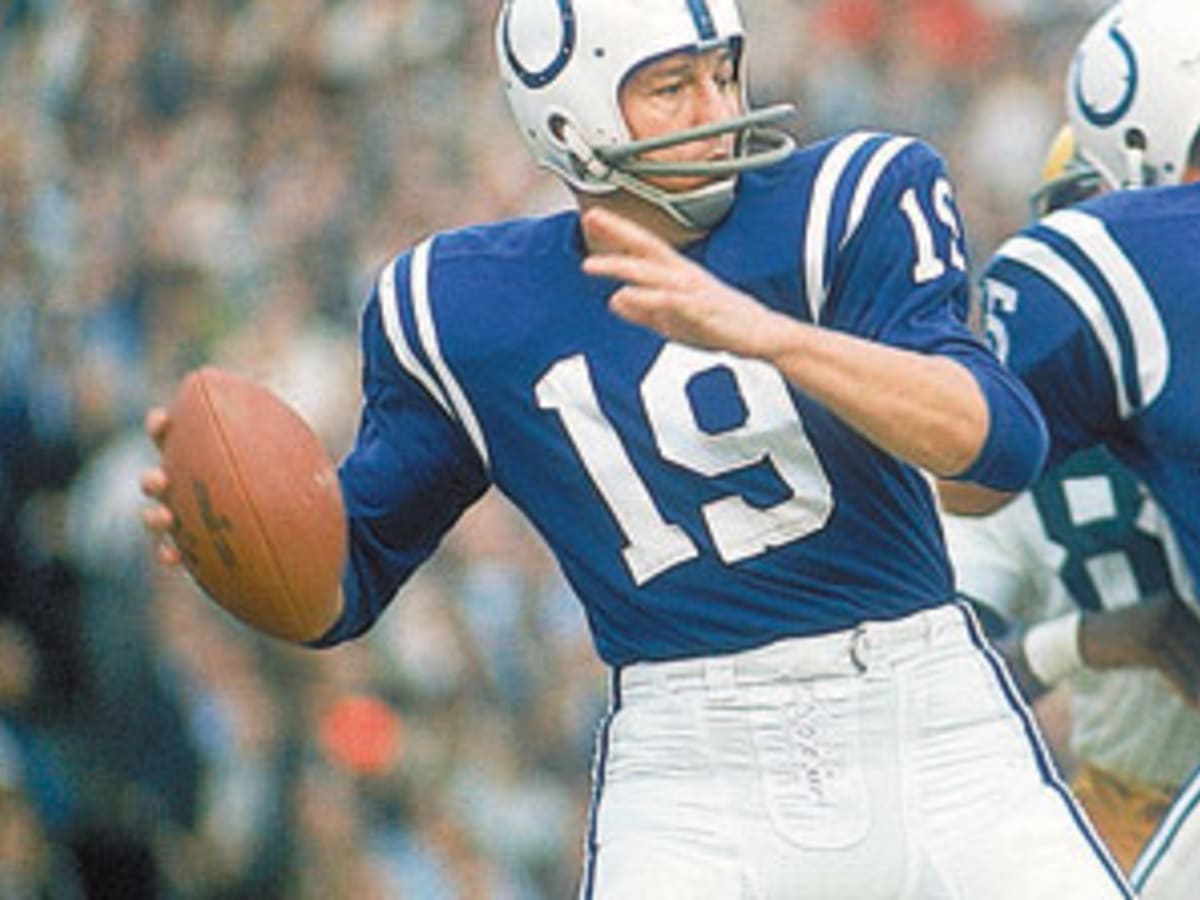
(713, 391)
(1098, 307)
(1081, 554)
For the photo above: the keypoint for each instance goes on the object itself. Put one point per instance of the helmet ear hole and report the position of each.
(556, 125)
(1135, 139)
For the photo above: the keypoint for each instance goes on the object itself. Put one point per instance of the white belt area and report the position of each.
(841, 653)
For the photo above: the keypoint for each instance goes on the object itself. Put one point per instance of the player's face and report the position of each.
(683, 90)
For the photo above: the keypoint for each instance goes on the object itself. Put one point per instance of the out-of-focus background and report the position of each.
(191, 181)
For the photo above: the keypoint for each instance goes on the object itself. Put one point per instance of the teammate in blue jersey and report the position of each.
(713, 392)
(1075, 589)
(1098, 308)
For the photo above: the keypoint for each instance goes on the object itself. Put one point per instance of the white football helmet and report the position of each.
(1133, 91)
(562, 64)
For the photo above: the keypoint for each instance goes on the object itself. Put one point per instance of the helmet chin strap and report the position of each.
(699, 209)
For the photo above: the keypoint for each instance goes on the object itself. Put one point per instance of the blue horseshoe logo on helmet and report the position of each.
(543, 77)
(1103, 118)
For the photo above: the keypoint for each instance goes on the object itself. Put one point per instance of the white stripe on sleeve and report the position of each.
(389, 304)
(820, 209)
(1152, 352)
(1047, 262)
(867, 183)
(427, 331)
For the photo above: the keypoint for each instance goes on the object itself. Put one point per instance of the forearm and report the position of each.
(964, 499)
(932, 411)
(927, 410)
(1156, 633)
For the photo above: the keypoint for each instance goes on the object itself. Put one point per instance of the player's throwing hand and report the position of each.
(667, 292)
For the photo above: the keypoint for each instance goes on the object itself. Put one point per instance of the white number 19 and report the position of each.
(772, 431)
(928, 265)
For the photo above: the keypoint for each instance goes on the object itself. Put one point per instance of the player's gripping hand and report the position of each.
(1158, 633)
(667, 292)
(157, 518)
(247, 498)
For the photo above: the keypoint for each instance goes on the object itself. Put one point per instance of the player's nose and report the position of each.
(714, 102)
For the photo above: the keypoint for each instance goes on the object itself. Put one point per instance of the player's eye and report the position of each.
(725, 77)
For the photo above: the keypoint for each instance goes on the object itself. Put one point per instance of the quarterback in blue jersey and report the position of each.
(713, 392)
(1098, 309)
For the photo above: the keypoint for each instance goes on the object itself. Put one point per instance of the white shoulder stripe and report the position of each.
(820, 208)
(427, 331)
(869, 180)
(1152, 352)
(389, 306)
(1046, 261)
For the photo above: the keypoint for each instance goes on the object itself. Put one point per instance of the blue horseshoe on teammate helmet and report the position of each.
(1104, 118)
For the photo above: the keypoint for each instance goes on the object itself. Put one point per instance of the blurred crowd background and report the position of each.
(193, 181)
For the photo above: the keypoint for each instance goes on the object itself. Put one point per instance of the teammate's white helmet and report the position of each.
(562, 64)
(1133, 91)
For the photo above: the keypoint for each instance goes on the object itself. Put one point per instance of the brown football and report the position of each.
(258, 510)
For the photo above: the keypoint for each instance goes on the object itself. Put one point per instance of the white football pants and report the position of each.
(892, 762)
(1169, 866)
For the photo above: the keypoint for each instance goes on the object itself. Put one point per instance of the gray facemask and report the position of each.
(702, 208)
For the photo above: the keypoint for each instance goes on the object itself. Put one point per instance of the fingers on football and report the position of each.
(158, 520)
(157, 423)
(153, 483)
(168, 554)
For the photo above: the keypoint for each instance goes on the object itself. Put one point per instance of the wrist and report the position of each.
(1052, 649)
(764, 334)
(781, 340)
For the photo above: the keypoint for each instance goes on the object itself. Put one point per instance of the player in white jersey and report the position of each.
(715, 393)
(1083, 545)
(1098, 309)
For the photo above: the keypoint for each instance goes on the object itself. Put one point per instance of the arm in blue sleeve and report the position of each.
(879, 296)
(377, 567)
(1017, 442)
(408, 479)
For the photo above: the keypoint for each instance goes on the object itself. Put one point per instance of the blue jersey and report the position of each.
(1097, 309)
(695, 501)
